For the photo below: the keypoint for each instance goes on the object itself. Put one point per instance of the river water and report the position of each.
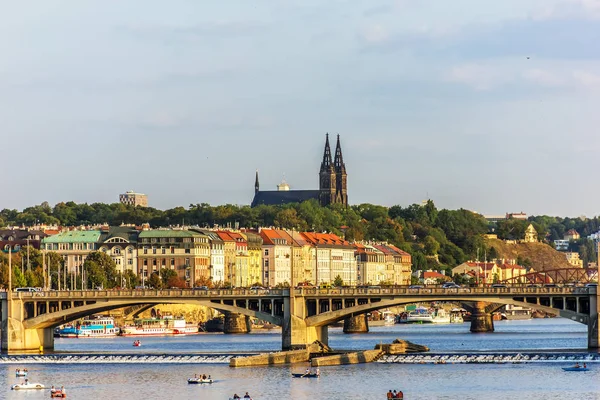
(141, 380)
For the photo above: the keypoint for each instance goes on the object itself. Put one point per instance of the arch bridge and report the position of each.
(28, 318)
(557, 276)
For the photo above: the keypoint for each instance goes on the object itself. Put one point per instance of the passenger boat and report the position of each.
(305, 375)
(158, 327)
(26, 386)
(199, 380)
(420, 315)
(94, 326)
(440, 317)
(21, 372)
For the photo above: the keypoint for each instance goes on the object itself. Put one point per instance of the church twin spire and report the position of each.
(332, 176)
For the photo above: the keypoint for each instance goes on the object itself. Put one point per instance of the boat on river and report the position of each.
(199, 380)
(21, 372)
(440, 316)
(305, 375)
(94, 326)
(57, 393)
(137, 343)
(419, 315)
(576, 369)
(27, 386)
(166, 325)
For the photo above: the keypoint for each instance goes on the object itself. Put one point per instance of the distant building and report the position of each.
(134, 199)
(120, 243)
(333, 186)
(73, 246)
(14, 239)
(572, 234)
(521, 216)
(561, 245)
(573, 259)
(531, 235)
(433, 277)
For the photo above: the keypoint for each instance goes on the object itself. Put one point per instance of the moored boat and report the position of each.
(94, 326)
(158, 327)
(419, 315)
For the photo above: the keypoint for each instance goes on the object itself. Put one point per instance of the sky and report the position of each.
(490, 106)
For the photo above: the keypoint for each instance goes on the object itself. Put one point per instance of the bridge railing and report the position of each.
(406, 291)
(128, 293)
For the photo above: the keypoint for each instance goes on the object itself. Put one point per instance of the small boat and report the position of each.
(305, 375)
(58, 394)
(21, 372)
(25, 386)
(199, 380)
(575, 369)
(137, 343)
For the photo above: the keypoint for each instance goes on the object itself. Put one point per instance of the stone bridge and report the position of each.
(28, 318)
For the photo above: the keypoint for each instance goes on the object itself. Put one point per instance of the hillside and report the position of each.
(543, 257)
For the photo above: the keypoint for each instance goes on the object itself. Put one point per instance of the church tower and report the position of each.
(256, 185)
(341, 184)
(327, 177)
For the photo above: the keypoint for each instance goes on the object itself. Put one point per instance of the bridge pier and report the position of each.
(593, 331)
(236, 323)
(356, 324)
(297, 335)
(481, 320)
(15, 337)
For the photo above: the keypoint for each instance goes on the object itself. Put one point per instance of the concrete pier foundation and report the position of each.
(236, 323)
(297, 335)
(357, 324)
(481, 320)
(593, 331)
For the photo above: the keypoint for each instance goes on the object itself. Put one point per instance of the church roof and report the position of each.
(277, 197)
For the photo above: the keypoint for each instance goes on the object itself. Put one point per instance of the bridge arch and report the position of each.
(54, 319)
(331, 317)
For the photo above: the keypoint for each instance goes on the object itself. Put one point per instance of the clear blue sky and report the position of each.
(486, 105)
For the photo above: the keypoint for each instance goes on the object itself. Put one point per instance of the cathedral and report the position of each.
(333, 186)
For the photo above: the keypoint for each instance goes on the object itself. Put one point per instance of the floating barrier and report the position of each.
(489, 358)
(118, 359)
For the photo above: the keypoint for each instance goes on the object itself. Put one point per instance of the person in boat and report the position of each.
(195, 375)
(52, 389)
(209, 378)
(26, 381)
(584, 365)
(576, 365)
(204, 377)
(25, 370)
(235, 396)
(63, 391)
(318, 372)
(394, 394)
(400, 395)
(247, 396)
(390, 395)
(307, 372)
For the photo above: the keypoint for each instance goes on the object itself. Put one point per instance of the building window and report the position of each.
(187, 251)
(145, 262)
(172, 250)
(187, 262)
(172, 262)
(145, 250)
(266, 252)
(163, 250)
(130, 261)
(153, 250)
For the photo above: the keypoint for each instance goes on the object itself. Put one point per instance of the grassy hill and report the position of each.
(543, 257)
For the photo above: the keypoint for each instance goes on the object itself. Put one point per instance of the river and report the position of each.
(140, 380)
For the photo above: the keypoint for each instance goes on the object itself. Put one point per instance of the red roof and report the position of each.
(433, 274)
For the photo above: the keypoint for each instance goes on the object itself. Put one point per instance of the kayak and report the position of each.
(24, 386)
(305, 375)
(575, 369)
(199, 380)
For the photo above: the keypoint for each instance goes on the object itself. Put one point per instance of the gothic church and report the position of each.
(333, 187)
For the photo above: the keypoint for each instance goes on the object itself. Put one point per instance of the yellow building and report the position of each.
(531, 235)
(254, 257)
(573, 259)
(482, 272)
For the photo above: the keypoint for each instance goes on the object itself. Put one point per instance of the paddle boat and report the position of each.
(21, 372)
(58, 394)
(199, 380)
(576, 368)
(137, 343)
(311, 375)
(26, 386)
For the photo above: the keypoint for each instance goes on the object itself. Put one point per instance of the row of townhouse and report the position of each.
(243, 258)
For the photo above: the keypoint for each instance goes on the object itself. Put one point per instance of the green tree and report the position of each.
(100, 270)
(154, 281)
(431, 246)
(338, 281)
(130, 279)
(166, 274)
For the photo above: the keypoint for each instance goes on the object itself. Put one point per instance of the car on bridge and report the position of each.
(450, 285)
(204, 288)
